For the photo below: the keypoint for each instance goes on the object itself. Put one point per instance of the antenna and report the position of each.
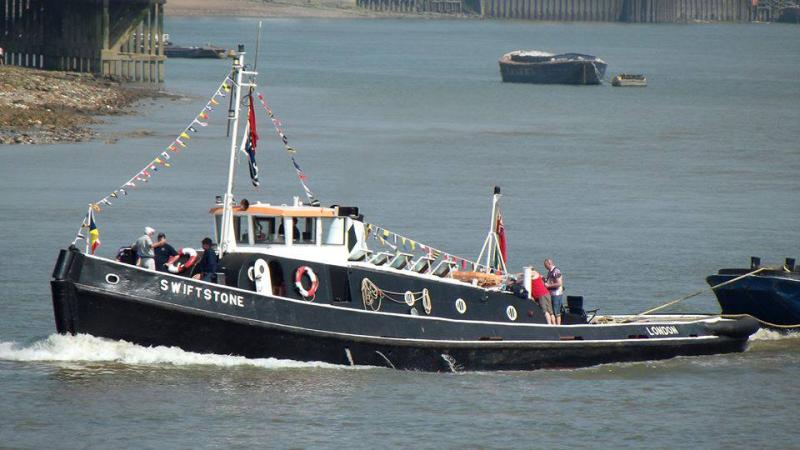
(258, 47)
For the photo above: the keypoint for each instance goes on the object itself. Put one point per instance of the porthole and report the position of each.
(461, 306)
(112, 278)
(426, 301)
(409, 298)
(511, 312)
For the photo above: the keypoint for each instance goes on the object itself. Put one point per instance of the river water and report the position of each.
(637, 194)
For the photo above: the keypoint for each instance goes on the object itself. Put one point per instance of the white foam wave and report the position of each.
(764, 334)
(84, 348)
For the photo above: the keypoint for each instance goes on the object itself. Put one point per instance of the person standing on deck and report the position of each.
(554, 282)
(163, 253)
(144, 247)
(542, 296)
(208, 263)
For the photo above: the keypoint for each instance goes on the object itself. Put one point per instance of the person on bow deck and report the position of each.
(208, 264)
(144, 248)
(542, 296)
(554, 282)
(163, 253)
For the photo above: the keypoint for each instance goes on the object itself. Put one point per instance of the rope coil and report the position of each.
(372, 296)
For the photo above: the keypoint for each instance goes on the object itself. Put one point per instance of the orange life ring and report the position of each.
(298, 281)
(172, 267)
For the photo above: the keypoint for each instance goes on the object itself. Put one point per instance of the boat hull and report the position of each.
(556, 72)
(771, 297)
(195, 52)
(151, 308)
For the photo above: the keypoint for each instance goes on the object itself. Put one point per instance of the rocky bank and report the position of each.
(43, 107)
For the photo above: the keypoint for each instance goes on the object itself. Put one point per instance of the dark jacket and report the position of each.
(162, 255)
(209, 262)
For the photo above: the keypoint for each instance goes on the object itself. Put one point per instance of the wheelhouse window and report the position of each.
(333, 231)
(241, 228)
(265, 230)
(305, 230)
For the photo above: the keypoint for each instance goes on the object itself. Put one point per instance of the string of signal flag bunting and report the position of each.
(394, 241)
(181, 142)
(160, 161)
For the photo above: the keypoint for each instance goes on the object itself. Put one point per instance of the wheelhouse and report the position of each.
(297, 230)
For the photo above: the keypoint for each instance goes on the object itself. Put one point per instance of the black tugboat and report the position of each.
(770, 294)
(305, 282)
(533, 66)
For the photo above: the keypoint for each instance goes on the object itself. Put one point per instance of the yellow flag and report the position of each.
(167, 164)
(413, 244)
(385, 233)
(185, 136)
(157, 160)
(214, 102)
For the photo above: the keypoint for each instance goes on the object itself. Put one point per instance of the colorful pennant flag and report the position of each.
(252, 141)
(94, 233)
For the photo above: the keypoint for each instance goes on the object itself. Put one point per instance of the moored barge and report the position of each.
(539, 67)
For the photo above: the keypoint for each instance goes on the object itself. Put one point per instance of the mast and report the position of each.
(227, 241)
(491, 246)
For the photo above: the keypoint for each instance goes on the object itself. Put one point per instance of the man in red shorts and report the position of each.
(542, 296)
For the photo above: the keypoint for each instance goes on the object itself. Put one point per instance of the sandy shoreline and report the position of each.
(261, 8)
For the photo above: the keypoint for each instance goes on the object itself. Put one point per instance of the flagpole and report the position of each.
(88, 238)
(490, 245)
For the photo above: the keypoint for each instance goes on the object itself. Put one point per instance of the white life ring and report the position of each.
(426, 301)
(180, 267)
(511, 312)
(298, 281)
(461, 306)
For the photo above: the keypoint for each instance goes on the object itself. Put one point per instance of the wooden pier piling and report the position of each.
(635, 11)
(115, 38)
(419, 6)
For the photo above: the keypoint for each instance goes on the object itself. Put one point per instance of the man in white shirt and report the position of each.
(554, 282)
(144, 249)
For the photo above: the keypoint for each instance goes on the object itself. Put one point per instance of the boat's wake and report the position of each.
(84, 348)
(764, 334)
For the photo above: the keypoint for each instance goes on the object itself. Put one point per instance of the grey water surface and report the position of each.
(637, 194)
